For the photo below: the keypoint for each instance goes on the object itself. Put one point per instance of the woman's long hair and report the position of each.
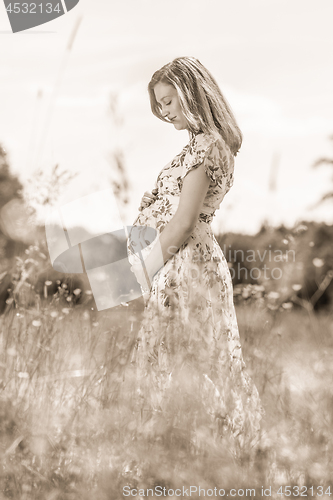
(202, 102)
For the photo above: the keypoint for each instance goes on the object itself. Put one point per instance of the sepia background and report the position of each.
(271, 59)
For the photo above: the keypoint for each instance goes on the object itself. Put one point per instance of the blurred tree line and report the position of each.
(10, 188)
(295, 262)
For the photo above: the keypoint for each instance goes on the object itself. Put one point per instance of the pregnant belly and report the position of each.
(154, 216)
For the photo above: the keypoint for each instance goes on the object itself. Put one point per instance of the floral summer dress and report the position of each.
(188, 343)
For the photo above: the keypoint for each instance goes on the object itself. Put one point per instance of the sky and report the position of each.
(272, 60)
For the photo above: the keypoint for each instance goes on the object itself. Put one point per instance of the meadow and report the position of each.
(70, 428)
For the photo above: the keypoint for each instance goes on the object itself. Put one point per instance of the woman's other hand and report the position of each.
(141, 275)
(148, 198)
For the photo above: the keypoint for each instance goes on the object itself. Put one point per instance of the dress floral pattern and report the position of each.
(189, 320)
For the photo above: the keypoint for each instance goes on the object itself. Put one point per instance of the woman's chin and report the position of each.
(178, 126)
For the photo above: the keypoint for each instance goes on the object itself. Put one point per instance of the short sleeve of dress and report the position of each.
(214, 154)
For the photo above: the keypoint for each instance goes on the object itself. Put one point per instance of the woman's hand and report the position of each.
(148, 198)
(141, 275)
(147, 264)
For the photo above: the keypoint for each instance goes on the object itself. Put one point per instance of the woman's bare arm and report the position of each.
(176, 232)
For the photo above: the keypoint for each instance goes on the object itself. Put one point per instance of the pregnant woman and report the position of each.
(188, 357)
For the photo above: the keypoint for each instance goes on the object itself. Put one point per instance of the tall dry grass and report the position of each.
(71, 426)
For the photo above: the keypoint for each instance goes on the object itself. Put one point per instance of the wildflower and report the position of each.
(318, 262)
(77, 291)
(285, 241)
(88, 292)
(287, 305)
(317, 471)
(258, 353)
(9, 301)
(311, 244)
(36, 322)
(23, 375)
(53, 314)
(301, 229)
(68, 299)
(95, 323)
(65, 310)
(273, 295)
(86, 315)
(272, 307)
(296, 287)
(64, 285)
(48, 283)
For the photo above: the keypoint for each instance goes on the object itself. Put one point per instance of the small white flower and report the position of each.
(36, 322)
(48, 283)
(88, 292)
(272, 307)
(287, 305)
(311, 244)
(53, 314)
(77, 291)
(273, 295)
(301, 229)
(318, 262)
(65, 310)
(296, 287)
(285, 241)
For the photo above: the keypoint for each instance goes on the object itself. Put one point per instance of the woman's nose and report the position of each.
(165, 113)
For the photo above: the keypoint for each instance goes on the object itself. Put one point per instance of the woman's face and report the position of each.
(166, 95)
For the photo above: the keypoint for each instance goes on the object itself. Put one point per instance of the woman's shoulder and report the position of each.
(203, 141)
